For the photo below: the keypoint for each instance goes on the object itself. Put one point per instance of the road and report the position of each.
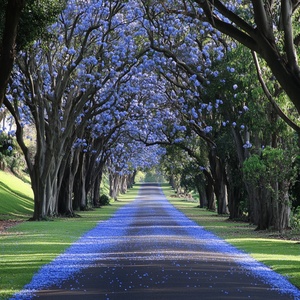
(162, 255)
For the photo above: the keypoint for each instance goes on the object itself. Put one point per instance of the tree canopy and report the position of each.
(117, 86)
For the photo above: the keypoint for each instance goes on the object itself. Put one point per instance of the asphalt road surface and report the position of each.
(159, 257)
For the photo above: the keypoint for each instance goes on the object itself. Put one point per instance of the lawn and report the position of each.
(15, 198)
(27, 246)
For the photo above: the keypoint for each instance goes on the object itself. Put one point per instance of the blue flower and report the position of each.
(247, 145)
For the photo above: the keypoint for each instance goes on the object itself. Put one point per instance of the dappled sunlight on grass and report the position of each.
(281, 255)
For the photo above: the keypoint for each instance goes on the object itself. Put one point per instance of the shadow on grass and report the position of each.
(14, 192)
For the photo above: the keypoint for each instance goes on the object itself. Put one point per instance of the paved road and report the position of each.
(159, 258)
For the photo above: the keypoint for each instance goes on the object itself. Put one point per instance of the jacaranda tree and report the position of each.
(61, 82)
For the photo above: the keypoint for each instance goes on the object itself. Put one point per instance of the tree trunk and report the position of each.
(79, 189)
(200, 186)
(114, 185)
(65, 202)
(236, 190)
(45, 194)
(251, 190)
(282, 218)
(211, 200)
(96, 193)
(234, 196)
(38, 187)
(131, 180)
(289, 79)
(219, 181)
(202, 196)
(252, 197)
(8, 44)
(264, 209)
(123, 184)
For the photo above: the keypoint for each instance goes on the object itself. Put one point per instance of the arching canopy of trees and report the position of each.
(114, 86)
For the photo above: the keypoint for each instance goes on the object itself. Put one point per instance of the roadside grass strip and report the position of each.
(82, 253)
(106, 236)
(252, 266)
(216, 244)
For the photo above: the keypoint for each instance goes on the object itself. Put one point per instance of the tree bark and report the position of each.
(219, 181)
(79, 189)
(65, 199)
(200, 186)
(96, 190)
(123, 184)
(8, 46)
(114, 185)
(211, 200)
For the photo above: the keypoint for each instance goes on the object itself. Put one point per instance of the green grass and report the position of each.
(29, 245)
(276, 251)
(15, 198)
(26, 247)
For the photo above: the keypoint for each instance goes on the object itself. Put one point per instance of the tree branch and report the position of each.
(19, 132)
(238, 29)
(261, 17)
(286, 14)
(270, 97)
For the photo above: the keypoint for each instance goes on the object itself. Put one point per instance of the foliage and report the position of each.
(35, 18)
(153, 175)
(271, 164)
(104, 200)
(190, 174)
(6, 145)
(143, 74)
(230, 19)
(254, 169)
(295, 220)
(140, 176)
(10, 154)
(91, 56)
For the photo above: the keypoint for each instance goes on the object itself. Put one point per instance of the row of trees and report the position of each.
(246, 155)
(115, 85)
(75, 87)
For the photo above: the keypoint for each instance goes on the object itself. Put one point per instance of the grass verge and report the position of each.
(27, 246)
(280, 254)
(15, 198)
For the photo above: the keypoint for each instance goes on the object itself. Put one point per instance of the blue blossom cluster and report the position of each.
(247, 145)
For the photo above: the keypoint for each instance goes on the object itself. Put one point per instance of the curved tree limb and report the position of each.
(262, 20)
(238, 28)
(19, 132)
(286, 14)
(270, 97)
